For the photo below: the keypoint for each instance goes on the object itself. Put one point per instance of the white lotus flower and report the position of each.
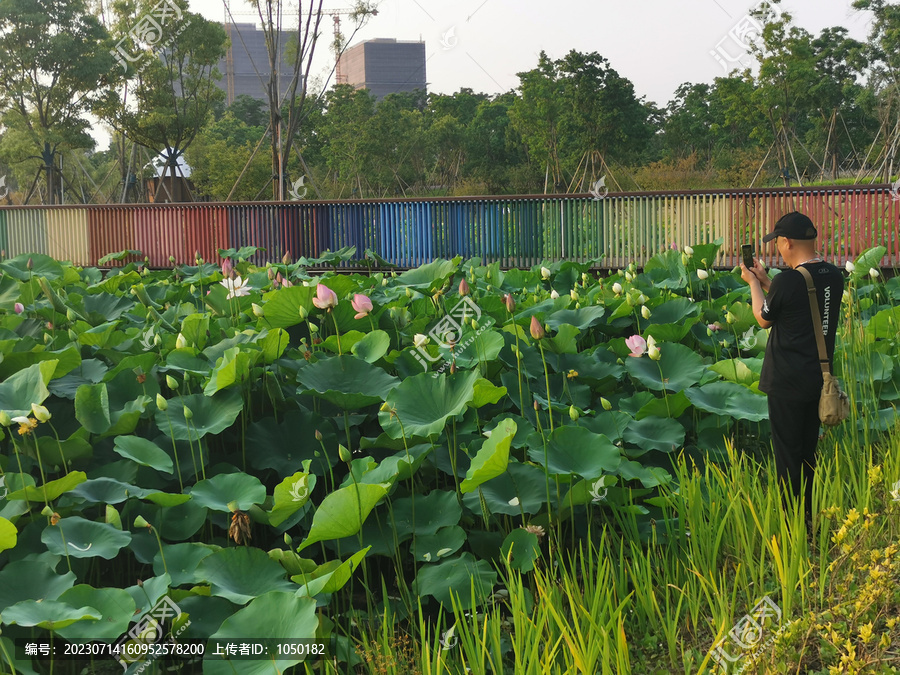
(703, 274)
(237, 287)
(514, 501)
(689, 251)
(645, 312)
(554, 295)
(617, 288)
(180, 342)
(850, 267)
(420, 340)
(545, 273)
(874, 273)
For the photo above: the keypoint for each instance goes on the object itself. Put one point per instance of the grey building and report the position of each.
(384, 66)
(247, 60)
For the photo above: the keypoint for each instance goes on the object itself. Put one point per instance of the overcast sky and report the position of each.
(482, 44)
(657, 44)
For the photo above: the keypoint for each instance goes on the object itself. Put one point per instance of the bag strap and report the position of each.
(816, 319)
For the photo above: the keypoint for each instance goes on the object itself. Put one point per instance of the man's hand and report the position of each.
(754, 277)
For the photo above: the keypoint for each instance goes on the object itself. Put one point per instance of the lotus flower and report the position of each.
(510, 302)
(537, 330)
(325, 297)
(362, 304)
(420, 340)
(463, 287)
(637, 345)
(554, 295)
(689, 251)
(652, 349)
(19, 307)
(545, 273)
(702, 274)
(645, 312)
(227, 268)
(850, 267)
(617, 288)
(714, 327)
(874, 273)
(237, 287)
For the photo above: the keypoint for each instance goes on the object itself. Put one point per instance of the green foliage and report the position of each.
(251, 458)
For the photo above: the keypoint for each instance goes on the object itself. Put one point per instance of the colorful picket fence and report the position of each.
(516, 231)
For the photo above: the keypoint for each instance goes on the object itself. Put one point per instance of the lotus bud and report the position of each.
(629, 276)
(145, 271)
(629, 298)
(874, 273)
(474, 324)
(318, 435)
(257, 310)
(344, 454)
(850, 267)
(510, 303)
(180, 341)
(41, 414)
(545, 273)
(19, 308)
(605, 404)
(688, 251)
(573, 413)
(5, 419)
(702, 274)
(271, 273)
(536, 406)
(453, 368)
(554, 295)
(70, 315)
(385, 407)
(584, 278)
(47, 338)
(193, 289)
(408, 292)
(313, 328)
(161, 403)
(645, 312)
(384, 282)
(463, 287)
(188, 414)
(617, 288)
(845, 297)
(537, 330)
(30, 264)
(286, 258)
(46, 511)
(171, 382)
(140, 521)
(573, 294)
(287, 539)
(730, 318)
(490, 289)
(227, 268)
(171, 259)
(577, 305)
(653, 353)
(303, 313)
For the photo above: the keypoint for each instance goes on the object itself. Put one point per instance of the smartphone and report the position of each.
(747, 253)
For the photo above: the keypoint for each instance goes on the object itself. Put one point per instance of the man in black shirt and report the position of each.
(791, 375)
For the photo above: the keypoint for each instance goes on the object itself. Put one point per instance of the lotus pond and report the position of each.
(290, 453)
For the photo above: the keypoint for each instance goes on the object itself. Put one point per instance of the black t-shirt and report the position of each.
(791, 367)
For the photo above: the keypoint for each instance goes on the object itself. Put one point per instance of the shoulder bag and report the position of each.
(834, 405)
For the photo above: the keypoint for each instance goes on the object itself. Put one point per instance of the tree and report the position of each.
(173, 90)
(54, 55)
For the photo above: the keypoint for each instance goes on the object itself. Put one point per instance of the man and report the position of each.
(791, 374)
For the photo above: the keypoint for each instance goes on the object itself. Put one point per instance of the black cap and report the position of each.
(793, 225)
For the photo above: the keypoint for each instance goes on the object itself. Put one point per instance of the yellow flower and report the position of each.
(891, 622)
(26, 424)
(865, 633)
(572, 374)
(875, 475)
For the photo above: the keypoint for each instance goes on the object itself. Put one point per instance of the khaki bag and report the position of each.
(834, 405)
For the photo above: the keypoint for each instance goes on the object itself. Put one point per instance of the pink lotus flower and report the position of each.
(19, 307)
(325, 297)
(637, 345)
(227, 268)
(362, 304)
(537, 330)
(463, 287)
(715, 326)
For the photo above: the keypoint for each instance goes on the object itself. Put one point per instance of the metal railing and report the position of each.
(516, 231)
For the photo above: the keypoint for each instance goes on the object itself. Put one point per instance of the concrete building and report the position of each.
(384, 66)
(246, 56)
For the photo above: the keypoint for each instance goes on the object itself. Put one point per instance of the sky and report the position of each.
(482, 44)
